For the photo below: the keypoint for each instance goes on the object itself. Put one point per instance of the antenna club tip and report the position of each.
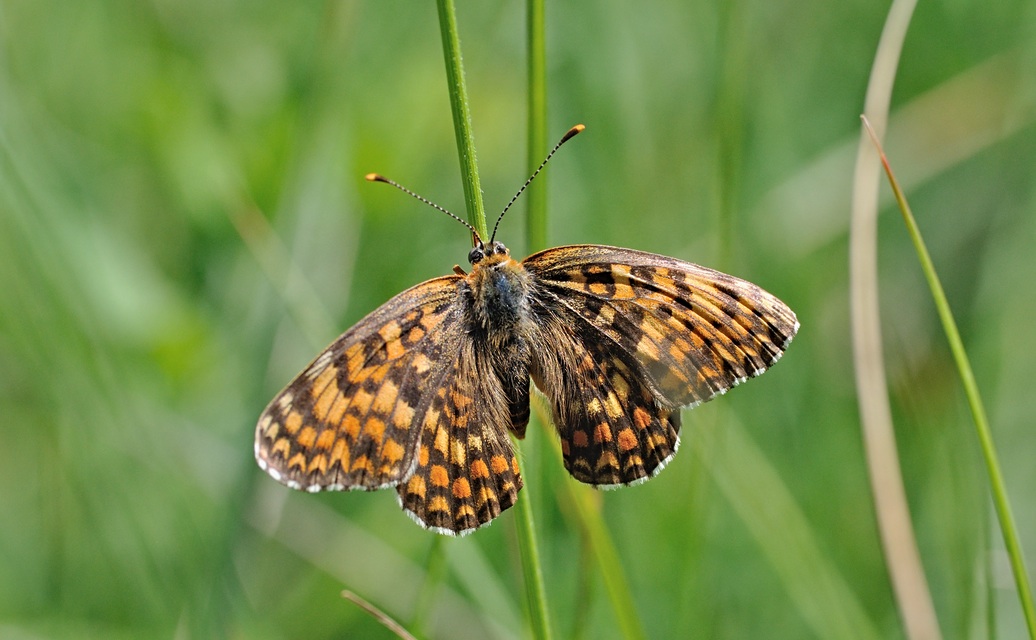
(375, 177)
(571, 132)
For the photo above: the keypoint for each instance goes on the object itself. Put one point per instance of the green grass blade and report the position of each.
(532, 571)
(530, 559)
(588, 514)
(978, 411)
(435, 569)
(461, 116)
(383, 618)
(536, 225)
(762, 500)
(579, 500)
(536, 198)
(616, 585)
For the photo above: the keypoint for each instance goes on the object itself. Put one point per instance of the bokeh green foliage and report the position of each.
(183, 224)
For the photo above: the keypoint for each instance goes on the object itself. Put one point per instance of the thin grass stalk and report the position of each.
(821, 594)
(615, 583)
(435, 568)
(902, 557)
(729, 122)
(536, 198)
(587, 514)
(990, 594)
(383, 618)
(461, 117)
(978, 412)
(532, 572)
(530, 560)
(536, 227)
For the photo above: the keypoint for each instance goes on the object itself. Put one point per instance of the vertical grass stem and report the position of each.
(461, 116)
(530, 560)
(978, 411)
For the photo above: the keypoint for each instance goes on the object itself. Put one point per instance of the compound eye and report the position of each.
(499, 248)
(475, 255)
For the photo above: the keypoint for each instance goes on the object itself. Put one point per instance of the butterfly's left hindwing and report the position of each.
(467, 472)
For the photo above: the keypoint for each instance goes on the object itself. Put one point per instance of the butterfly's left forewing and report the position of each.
(348, 421)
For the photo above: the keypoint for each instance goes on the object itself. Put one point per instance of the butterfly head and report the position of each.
(487, 255)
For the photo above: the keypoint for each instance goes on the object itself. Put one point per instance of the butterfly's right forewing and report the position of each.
(697, 332)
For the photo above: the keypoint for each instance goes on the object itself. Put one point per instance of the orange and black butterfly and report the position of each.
(420, 395)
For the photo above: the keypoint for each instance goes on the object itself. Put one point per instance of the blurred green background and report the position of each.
(184, 224)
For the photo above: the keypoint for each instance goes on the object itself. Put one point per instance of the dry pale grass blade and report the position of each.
(378, 615)
(902, 557)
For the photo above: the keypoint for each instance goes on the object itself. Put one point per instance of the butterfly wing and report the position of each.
(401, 399)
(650, 334)
(467, 472)
(613, 428)
(350, 419)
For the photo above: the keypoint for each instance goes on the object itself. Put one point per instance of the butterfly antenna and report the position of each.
(565, 138)
(376, 177)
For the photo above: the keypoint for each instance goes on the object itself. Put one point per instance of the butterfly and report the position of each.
(421, 394)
